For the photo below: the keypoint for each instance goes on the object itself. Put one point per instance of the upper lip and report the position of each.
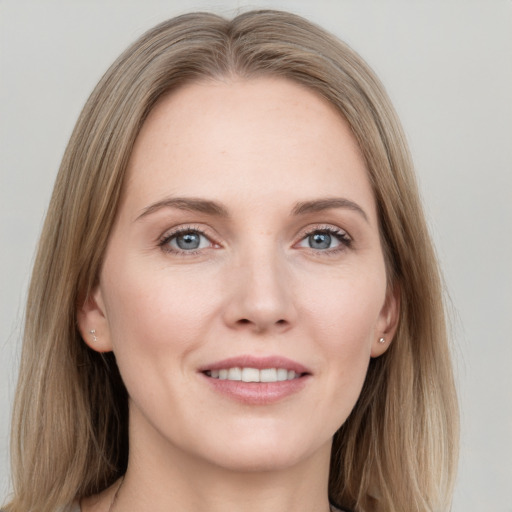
(260, 363)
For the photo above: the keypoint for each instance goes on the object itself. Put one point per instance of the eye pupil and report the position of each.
(320, 241)
(188, 241)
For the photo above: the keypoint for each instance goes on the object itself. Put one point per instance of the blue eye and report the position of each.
(320, 241)
(325, 239)
(189, 240)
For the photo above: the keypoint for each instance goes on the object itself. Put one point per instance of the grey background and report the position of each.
(448, 68)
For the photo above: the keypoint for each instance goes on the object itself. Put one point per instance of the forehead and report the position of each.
(246, 137)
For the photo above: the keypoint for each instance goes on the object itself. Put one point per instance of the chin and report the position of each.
(265, 454)
(260, 463)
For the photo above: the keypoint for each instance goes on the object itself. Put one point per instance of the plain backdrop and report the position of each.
(447, 66)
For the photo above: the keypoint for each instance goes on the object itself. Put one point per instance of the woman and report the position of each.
(235, 303)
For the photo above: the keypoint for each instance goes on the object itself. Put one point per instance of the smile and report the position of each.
(253, 374)
(256, 380)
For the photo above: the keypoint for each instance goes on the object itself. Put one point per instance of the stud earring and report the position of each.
(382, 340)
(93, 333)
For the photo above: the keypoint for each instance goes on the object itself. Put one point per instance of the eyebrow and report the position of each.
(319, 205)
(216, 209)
(186, 203)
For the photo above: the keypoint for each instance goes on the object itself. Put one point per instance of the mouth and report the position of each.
(256, 380)
(249, 374)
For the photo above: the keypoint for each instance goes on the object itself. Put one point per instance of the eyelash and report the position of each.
(164, 241)
(341, 235)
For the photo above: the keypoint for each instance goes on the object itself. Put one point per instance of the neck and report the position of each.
(222, 491)
(169, 479)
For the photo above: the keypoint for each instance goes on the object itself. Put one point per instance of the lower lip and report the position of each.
(257, 393)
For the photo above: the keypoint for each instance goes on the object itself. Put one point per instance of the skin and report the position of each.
(255, 286)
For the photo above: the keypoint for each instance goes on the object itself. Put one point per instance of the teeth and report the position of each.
(282, 374)
(254, 375)
(235, 374)
(268, 375)
(250, 375)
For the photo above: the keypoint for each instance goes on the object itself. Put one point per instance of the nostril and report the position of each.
(261, 325)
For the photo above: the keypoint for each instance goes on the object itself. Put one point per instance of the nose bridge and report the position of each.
(261, 298)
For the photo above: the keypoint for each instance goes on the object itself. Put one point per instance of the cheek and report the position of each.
(345, 311)
(154, 314)
(343, 322)
(157, 324)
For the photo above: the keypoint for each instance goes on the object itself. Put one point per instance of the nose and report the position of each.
(261, 295)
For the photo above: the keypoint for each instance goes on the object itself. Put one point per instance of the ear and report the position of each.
(387, 323)
(93, 323)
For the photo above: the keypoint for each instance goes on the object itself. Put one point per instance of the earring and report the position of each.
(382, 340)
(93, 333)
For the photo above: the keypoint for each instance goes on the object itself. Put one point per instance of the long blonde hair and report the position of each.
(397, 451)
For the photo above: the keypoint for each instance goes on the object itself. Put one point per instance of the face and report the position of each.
(243, 289)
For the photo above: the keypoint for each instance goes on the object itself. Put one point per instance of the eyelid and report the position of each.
(169, 234)
(163, 241)
(331, 228)
(341, 234)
